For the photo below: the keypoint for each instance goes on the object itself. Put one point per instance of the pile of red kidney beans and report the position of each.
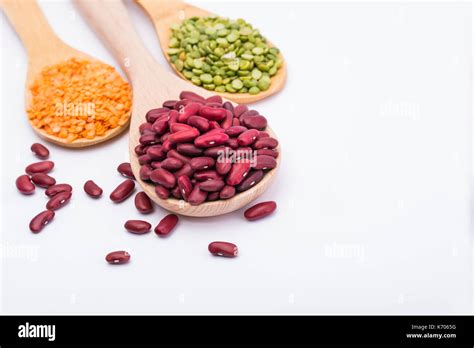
(194, 149)
(200, 150)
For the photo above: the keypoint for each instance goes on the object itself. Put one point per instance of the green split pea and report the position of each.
(223, 55)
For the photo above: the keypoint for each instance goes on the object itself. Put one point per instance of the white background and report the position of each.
(373, 193)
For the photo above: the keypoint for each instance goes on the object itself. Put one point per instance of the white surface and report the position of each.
(373, 194)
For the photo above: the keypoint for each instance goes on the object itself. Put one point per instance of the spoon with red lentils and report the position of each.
(177, 130)
(71, 99)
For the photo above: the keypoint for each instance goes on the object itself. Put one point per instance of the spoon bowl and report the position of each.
(46, 49)
(165, 13)
(152, 85)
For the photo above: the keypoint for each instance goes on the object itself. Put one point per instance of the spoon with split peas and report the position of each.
(46, 49)
(152, 85)
(165, 13)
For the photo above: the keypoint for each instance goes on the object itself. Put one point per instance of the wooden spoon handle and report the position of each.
(157, 9)
(112, 23)
(31, 25)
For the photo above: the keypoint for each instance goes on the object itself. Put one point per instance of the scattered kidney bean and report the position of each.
(166, 225)
(92, 189)
(260, 210)
(126, 170)
(41, 220)
(59, 200)
(202, 149)
(43, 180)
(122, 191)
(117, 257)
(223, 249)
(40, 150)
(137, 226)
(55, 189)
(143, 203)
(39, 167)
(24, 185)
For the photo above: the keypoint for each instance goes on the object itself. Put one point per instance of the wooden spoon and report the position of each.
(164, 13)
(152, 85)
(45, 49)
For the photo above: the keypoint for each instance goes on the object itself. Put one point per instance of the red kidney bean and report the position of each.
(175, 154)
(213, 125)
(144, 159)
(186, 170)
(197, 196)
(172, 164)
(167, 145)
(212, 185)
(235, 131)
(117, 257)
(146, 128)
(223, 166)
(40, 167)
(189, 110)
(252, 179)
(169, 104)
(145, 172)
(202, 163)
(260, 210)
(176, 192)
(265, 162)
(188, 149)
(227, 192)
(160, 126)
(236, 122)
(192, 96)
(125, 169)
(59, 200)
(40, 150)
(182, 103)
(123, 191)
(41, 220)
(229, 106)
(55, 189)
(233, 143)
(247, 137)
(216, 151)
(155, 164)
(211, 139)
(267, 152)
(256, 122)
(213, 196)
(148, 139)
(137, 226)
(237, 173)
(214, 99)
(24, 185)
(223, 249)
(143, 203)
(262, 135)
(248, 113)
(265, 143)
(43, 180)
(184, 136)
(139, 149)
(166, 225)
(206, 175)
(174, 115)
(245, 153)
(227, 123)
(162, 192)
(165, 137)
(199, 122)
(163, 177)
(153, 114)
(155, 153)
(185, 185)
(240, 109)
(177, 127)
(212, 114)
